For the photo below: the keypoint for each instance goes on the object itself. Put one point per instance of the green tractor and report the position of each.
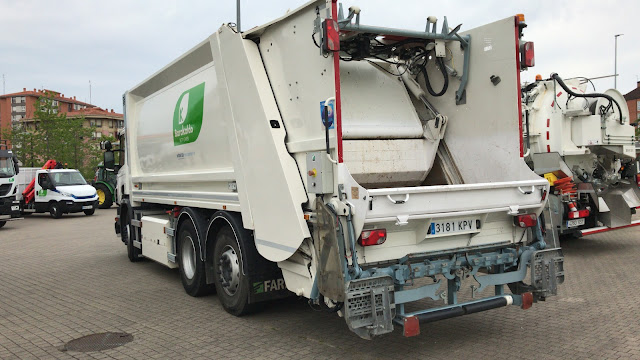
(106, 177)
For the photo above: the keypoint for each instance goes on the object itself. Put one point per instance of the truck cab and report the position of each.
(9, 169)
(62, 191)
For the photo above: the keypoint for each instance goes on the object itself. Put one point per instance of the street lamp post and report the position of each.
(615, 63)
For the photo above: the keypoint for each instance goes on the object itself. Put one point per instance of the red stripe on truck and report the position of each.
(517, 32)
(336, 70)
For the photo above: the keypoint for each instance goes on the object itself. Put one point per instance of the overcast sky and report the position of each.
(62, 45)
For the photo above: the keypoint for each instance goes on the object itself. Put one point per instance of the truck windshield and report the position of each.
(68, 178)
(6, 168)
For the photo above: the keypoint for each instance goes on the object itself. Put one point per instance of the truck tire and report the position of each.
(105, 197)
(89, 212)
(125, 232)
(2, 223)
(55, 211)
(192, 272)
(232, 286)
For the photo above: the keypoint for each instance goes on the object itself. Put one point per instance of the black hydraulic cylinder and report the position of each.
(462, 310)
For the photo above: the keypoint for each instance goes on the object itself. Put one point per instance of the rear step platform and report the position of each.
(601, 229)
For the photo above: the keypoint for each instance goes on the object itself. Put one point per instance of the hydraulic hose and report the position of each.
(445, 76)
(557, 78)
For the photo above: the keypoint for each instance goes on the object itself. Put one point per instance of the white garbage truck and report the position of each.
(582, 142)
(361, 167)
(9, 170)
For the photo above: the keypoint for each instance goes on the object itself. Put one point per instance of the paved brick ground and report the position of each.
(63, 279)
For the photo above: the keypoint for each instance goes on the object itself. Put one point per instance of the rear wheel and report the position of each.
(232, 285)
(55, 211)
(105, 198)
(125, 232)
(192, 270)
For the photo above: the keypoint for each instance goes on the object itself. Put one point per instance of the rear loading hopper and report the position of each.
(358, 159)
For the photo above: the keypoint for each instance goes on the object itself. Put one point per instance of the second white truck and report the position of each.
(582, 142)
(363, 168)
(55, 190)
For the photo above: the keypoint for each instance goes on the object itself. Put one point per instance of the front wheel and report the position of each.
(55, 211)
(105, 198)
(2, 223)
(125, 232)
(232, 285)
(89, 212)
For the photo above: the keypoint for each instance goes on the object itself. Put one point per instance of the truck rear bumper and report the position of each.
(411, 322)
(601, 229)
(375, 302)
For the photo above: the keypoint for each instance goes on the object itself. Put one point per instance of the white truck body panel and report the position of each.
(156, 244)
(24, 178)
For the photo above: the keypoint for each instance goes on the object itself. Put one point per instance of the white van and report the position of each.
(62, 191)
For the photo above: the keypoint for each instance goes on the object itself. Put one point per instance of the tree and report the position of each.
(52, 135)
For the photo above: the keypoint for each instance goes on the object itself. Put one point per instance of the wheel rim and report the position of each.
(229, 270)
(188, 254)
(101, 196)
(126, 230)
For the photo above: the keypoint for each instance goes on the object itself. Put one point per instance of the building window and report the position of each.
(111, 124)
(18, 99)
(99, 123)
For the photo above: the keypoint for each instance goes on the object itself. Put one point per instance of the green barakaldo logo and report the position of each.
(187, 117)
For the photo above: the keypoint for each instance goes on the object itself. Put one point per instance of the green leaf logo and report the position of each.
(187, 116)
(258, 287)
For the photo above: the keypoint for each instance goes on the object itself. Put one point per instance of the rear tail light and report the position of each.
(330, 36)
(373, 237)
(579, 214)
(527, 54)
(526, 220)
(638, 179)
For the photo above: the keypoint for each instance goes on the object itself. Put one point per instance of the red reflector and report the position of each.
(527, 300)
(638, 179)
(526, 220)
(331, 38)
(544, 195)
(528, 54)
(373, 237)
(411, 326)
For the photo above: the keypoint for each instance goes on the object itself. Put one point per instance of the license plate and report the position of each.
(87, 207)
(15, 208)
(452, 226)
(575, 222)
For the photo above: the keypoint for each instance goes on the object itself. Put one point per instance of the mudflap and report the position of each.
(370, 306)
(267, 286)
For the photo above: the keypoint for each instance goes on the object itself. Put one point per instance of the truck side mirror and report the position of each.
(16, 168)
(109, 160)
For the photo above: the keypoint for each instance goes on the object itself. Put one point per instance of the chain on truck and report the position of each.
(361, 167)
